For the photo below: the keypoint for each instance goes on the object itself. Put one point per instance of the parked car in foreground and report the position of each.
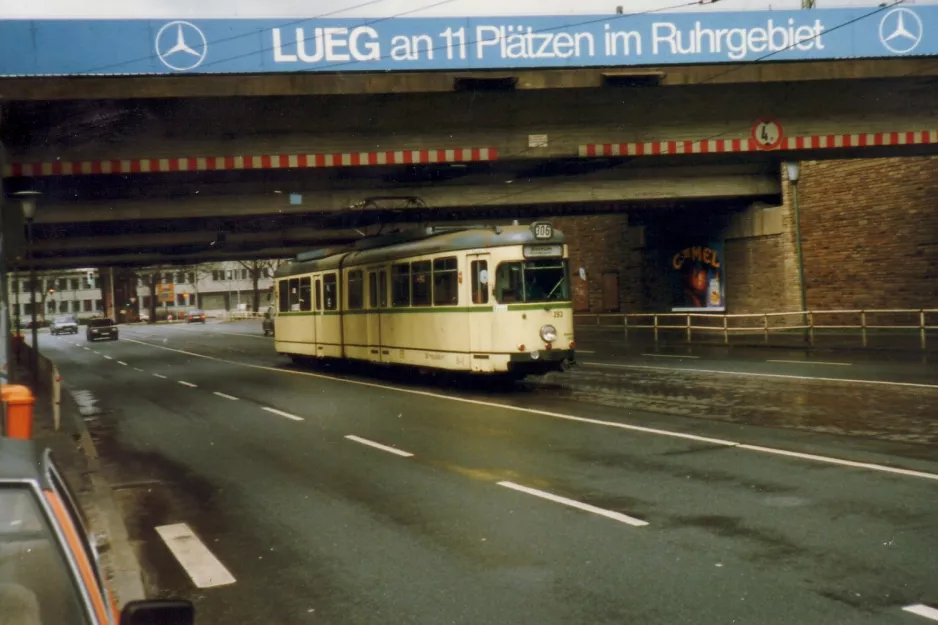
(49, 566)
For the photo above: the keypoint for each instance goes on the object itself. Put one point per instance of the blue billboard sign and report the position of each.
(257, 46)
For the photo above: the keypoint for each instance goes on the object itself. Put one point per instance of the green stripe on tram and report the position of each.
(431, 309)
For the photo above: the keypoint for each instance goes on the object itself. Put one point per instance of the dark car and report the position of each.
(268, 322)
(195, 316)
(101, 329)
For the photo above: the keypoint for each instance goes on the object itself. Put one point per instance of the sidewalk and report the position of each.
(74, 452)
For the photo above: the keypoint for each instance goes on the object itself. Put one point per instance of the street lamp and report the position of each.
(28, 203)
(794, 173)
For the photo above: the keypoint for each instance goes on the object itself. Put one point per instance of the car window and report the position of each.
(36, 584)
(99, 323)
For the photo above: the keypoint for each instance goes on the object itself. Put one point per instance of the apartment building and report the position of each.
(215, 288)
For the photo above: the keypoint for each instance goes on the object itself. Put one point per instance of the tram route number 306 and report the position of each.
(542, 230)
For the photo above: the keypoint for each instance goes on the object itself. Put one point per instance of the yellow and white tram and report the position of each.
(483, 300)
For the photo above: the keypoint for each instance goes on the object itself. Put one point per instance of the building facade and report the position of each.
(84, 293)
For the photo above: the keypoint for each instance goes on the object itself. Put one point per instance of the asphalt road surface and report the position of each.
(334, 496)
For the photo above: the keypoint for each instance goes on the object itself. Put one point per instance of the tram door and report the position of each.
(480, 323)
(317, 316)
(377, 300)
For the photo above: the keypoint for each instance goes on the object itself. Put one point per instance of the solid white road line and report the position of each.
(282, 413)
(200, 564)
(557, 415)
(814, 362)
(617, 516)
(749, 374)
(365, 441)
(232, 397)
(670, 356)
(189, 384)
(121, 362)
(157, 375)
(922, 610)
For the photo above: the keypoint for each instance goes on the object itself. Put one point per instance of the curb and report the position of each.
(126, 575)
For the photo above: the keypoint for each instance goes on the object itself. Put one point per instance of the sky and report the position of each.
(203, 9)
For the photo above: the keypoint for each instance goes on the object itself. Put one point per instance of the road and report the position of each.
(337, 496)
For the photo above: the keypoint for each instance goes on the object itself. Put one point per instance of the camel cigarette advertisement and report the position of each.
(698, 278)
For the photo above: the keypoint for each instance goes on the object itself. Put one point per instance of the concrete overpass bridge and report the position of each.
(158, 165)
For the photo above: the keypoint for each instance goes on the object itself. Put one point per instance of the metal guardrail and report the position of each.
(865, 322)
(235, 315)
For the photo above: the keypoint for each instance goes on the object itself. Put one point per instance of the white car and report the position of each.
(64, 325)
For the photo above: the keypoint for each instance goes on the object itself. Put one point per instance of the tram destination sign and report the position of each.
(81, 47)
(542, 251)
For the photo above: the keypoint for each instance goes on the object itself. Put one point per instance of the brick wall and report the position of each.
(869, 236)
(870, 232)
(603, 244)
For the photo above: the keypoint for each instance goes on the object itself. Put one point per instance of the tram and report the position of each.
(486, 300)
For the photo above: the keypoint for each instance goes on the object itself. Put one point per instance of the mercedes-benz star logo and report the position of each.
(181, 46)
(901, 30)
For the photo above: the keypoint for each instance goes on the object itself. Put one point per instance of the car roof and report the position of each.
(19, 460)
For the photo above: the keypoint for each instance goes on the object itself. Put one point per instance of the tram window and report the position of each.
(532, 281)
(306, 295)
(283, 295)
(294, 293)
(356, 291)
(400, 285)
(445, 282)
(420, 283)
(330, 291)
(372, 289)
(383, 288)
(318, 294)
(480, 287)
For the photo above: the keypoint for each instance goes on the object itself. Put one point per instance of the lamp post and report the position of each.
(28, 203)
(794, 173)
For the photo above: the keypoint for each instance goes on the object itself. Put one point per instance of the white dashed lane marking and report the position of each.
(200, 564)
(616, 516)
(157, 375)
(922, 610)
(121, 362)
(391, 450)
(226, 396)
(282, 413)
(189, 384)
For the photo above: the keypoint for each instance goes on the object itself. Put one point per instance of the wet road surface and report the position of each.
(380, 498)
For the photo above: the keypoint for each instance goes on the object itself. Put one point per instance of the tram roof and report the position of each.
(427, 242)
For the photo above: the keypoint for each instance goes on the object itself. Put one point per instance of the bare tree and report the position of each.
(151, 277)
(258, 269)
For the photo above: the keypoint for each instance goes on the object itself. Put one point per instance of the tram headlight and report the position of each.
(549, 333)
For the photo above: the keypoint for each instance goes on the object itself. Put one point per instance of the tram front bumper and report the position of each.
(542, 361)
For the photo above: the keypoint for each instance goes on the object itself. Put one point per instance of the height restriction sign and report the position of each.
(767, 134)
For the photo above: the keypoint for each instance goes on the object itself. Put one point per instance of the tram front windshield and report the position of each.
(532, 281)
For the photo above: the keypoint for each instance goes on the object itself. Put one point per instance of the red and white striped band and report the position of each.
(232, 163)
(723, 146)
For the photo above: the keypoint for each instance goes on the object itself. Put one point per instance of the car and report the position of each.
(101, 329)
(268, 323)
(49, 566)
(64, 325)
(195, 316)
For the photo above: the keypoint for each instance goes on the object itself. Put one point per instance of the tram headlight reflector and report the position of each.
(549, 333)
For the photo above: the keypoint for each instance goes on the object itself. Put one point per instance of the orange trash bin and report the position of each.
(19, 411)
